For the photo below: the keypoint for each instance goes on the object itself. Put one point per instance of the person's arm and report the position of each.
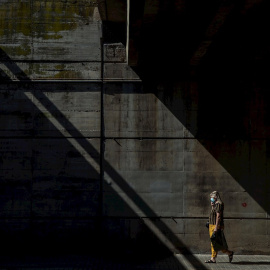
(218, 218)
(217, 221)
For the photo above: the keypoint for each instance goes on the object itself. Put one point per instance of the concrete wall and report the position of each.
(89, 152)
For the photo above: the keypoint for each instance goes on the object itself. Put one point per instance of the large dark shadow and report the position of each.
(98, 232)
(223, 100)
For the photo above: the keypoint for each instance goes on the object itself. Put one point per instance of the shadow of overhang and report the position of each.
(61, 122)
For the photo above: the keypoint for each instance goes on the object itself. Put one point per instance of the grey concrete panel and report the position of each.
(18, 53)
(233, 156)
(115, 206)
(66, 177)
(175, 225)
(218, 155)
(237, 205)
(42, 37)
(50, 110)
(138, 115)
(245, 227)
(15, 71)
(145, 145)
(120, 96)
(14, 226)
(52, 71)
(221, 156)
(187, 96)
(65, 71)
(65, 203)
(202, 162)
(194, 145)
(119, 71)
(196, 204)
(16, 177)
(18, 124)
(242, 204)
(16, 112)
(65, 228)
(68, 96)
(252, 243)
(16, 154)
(137, 123)
(47, 124)
(64, 113)
(193, 234)
(148, 181)
(196, 226)
(64, 155)
(196, 243)
(210, 181)
(143, 155)
(15, 200)
(247, 232)
(71, 52)
(160, 161)
(14, 98)
(144, 205)
(258, 161)
(141, 159)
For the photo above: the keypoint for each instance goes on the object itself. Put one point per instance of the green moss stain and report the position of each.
(43, 19)
(38, 69)
(14, 18)
(60, 67)
(23, 49)
(26, 22)
(68, 74)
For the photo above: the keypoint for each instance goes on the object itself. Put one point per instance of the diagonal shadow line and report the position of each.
(223, 131)
(4, 76)
(119, 180)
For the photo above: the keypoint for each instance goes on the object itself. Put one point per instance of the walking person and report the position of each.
(216, 227)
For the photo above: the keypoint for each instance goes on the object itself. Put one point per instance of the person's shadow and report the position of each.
(251, 263)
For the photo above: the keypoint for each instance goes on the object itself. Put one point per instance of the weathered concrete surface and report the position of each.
(130, 112)
(47, 31)
(55, 109)
(50, 161)
(210, 108)
(130, 157)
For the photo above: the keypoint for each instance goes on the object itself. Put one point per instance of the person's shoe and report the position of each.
(231, 257)
(210, 261)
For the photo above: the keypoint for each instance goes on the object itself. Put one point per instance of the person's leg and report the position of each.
(213, 252)
(229, 253)
(226, 251)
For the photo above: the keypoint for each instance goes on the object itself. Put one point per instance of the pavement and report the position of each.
(173, 262)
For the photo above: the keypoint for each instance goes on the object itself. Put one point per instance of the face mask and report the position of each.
(212, 200)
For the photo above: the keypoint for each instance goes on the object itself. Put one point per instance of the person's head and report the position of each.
(215, 197)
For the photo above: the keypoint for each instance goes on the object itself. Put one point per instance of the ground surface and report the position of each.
(180, 262)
